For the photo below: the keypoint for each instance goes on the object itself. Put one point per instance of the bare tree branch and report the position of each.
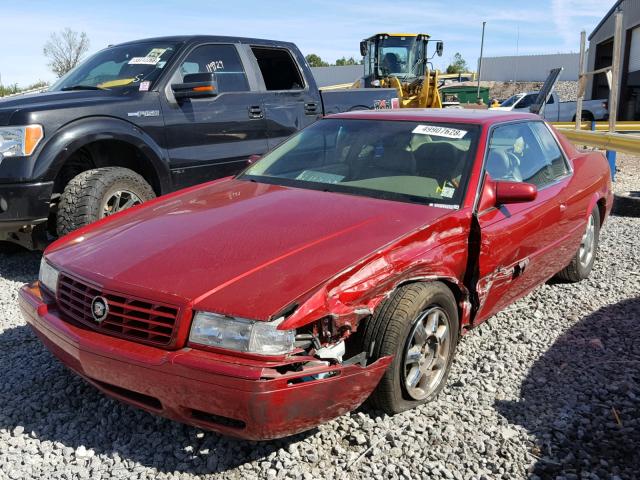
(65, 49)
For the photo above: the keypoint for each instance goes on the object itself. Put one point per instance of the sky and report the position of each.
(329, 28)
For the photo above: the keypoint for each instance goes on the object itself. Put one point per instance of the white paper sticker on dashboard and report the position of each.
(144, 60)
(437, 131)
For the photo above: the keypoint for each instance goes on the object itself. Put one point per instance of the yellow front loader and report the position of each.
(401, 61)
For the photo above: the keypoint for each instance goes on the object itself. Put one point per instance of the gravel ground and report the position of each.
(549, 388)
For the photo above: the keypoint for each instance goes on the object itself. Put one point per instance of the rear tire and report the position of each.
(582, 262)
(418, 326)
(97, 193)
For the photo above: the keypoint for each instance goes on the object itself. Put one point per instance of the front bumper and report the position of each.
(23, 204)
(217, 392)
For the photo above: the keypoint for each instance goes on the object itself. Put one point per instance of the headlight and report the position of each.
(239, 334)
(20, 141)
(48, 276)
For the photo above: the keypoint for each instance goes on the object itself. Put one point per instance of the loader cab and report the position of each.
(403, 56)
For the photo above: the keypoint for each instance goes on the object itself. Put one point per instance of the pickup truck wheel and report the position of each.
(582, 262)
(98, 193)
(418, 326)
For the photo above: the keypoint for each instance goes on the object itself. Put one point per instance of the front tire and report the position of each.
(418, 326)
(583, 260)
(98, 193)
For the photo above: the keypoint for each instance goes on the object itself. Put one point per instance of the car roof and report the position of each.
(450, 115)
(206, 38)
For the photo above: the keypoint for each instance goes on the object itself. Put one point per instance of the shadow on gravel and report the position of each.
(63, 413)
(18, 264)
(581, 400)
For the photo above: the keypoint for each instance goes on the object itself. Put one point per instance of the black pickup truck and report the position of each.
(144, 118)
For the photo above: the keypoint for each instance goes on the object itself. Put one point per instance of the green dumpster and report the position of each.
(464, 94)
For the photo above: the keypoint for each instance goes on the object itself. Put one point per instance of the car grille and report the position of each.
(139, 320)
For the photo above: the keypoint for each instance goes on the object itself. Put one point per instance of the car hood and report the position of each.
(36, 102)
(236, 247)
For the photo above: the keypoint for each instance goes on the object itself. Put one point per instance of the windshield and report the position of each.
(400, 56)
(511, 100)
(123, 66)
(418, 162)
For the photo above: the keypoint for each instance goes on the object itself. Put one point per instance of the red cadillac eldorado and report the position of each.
(344, 265)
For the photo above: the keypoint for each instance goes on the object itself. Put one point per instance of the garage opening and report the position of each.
(278, 68)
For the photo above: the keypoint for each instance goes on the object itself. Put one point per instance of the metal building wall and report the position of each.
(335, 75)
(529, 68)
(603, 32)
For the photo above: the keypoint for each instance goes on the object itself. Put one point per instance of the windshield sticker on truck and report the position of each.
(439, 131)
(156, 53)
(144, 60)
(215, 66)
(144, 86)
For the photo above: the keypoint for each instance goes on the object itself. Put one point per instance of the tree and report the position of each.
(458, 64)
(350, 61)
(315, 61)
(65, 49)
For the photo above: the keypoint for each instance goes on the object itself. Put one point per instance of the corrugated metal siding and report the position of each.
(529, 68)
(335, 75)
(634, 51)
(631, 19)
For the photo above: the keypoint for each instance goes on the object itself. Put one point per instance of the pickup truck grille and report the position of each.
(130, 318)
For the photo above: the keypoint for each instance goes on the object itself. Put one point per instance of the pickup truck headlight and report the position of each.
(239, 334)
(20, 141)
(48, 276)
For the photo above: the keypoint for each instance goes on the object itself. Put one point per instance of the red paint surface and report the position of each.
(250, 250)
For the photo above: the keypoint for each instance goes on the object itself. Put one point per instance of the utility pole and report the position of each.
(582, 79)
(480, 60)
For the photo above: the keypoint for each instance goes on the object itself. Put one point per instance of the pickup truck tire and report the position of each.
(627, 204)
(97, 193)
(583, 260)
(418, 326)
(585, 117)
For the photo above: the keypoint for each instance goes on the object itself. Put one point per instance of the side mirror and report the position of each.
(196, 85)
(514, 192)
(439, 48)
(363, 48)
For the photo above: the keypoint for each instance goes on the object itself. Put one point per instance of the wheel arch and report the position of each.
(98, 136)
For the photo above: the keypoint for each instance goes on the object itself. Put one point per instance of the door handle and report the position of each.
(310, 108)
(255, 112)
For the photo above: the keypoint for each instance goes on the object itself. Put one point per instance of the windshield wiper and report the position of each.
(81, 87)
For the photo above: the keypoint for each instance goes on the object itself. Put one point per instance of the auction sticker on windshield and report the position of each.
(437, 131)
(144, 60)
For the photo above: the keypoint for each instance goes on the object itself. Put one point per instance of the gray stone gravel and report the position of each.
(549, 388)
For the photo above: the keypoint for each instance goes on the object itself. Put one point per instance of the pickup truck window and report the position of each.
(394, 160)
(278, 69)
(224, 61)
(521, 152)
(526, 101)
(122, 66)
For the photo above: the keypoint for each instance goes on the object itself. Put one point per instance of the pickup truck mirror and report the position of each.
(439, 48)
(363, 48)
(196, 85)
(514, 192)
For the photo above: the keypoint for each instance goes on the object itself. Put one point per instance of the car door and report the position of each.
(523, 244)
(213, 137)
(290, 102)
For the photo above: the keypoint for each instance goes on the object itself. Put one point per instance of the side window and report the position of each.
(522, 152)
(526, 101)
(278, 69)
(551, 100)
(553, 155)
(224, 61)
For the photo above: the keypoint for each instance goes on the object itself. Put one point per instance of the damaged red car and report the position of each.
(342, 266)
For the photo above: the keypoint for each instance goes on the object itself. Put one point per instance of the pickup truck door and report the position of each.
(291, 101)
(213, 137)
(522, 245)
